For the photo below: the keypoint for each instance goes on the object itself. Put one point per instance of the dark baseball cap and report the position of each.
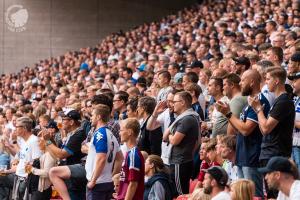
(70, 113)
(219, 174)
(294, 76)
(277, 163)
(242, 61)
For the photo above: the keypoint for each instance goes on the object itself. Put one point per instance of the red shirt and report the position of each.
(205, 165)
(133, 169)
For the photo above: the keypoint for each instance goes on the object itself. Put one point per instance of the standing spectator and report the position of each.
(215, 89)
(232, 90)
(296, 132)
(249, 137)
(148, 141)
(120, 100)
(163, 116)
(195, 90)
(183, 134)
(277, 128)
(133, 169)
(164, 79)
(281, 175)
(104, 157)
(214, 183)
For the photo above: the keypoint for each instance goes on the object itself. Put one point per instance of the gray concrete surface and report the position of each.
(56, 26)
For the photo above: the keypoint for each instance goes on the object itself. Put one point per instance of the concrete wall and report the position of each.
(56, 26)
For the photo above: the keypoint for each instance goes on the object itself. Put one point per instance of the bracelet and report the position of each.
(228, 115)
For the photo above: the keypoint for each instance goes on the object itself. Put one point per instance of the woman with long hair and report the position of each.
(159, 185)
(242, 189)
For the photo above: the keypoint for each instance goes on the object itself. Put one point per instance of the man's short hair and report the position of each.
(123, 96)
(278, 72)
(148, 104)
(25, 122)
(186, 97)
(165, 74)
(265, 64)
(103, 111)
(233, 78)
(132, 124)
(102, 99)
(192, 76)
(278, 52)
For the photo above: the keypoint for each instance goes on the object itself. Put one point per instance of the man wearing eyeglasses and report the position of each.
(28, 151)
(104, 157)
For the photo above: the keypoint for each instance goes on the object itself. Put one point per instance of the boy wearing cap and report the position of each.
(215, 181)
(281, 175)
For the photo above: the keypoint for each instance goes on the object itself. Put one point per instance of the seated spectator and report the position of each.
(242, 189)
(159, 184)
(282, 175)
(214, 183)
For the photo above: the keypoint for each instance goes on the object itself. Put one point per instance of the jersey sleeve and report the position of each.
(100, 141)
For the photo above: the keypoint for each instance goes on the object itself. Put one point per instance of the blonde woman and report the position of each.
(242, 189)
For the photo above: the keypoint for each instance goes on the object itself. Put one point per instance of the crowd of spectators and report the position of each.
(203, 102)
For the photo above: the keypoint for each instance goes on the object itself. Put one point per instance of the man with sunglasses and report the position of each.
(104, 157)
(69, 178)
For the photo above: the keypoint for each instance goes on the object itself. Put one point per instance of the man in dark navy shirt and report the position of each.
(249, 136)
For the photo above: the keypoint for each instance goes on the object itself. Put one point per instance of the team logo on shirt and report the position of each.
(99, 136)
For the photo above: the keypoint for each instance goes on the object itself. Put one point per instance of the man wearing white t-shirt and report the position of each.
(215, 181)
(104, 157)
(28, 152)
(281, 175)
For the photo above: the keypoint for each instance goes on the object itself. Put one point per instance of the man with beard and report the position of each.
(163, 116)
(281, 175)
(249, 136)
(214, 183)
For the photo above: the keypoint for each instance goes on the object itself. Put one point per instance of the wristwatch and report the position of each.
(228, 115)
(48, 143)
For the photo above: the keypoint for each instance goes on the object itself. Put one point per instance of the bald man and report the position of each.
(249, 137)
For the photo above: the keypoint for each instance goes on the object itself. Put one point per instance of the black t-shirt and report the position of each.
(183, 152)
(73, 146)
(150, 141)
(279, 141)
